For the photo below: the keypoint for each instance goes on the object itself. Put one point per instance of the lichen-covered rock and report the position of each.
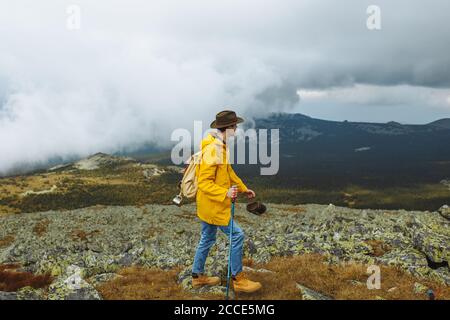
(435, 246)
(420, 288)
(101, 240)
(8, 295)
(71, 286)
(185, 280)
(29, 293)
(102, 277)
(441, 274)
(445, 211)
(308, 294)
(248, 269)
(404, 258)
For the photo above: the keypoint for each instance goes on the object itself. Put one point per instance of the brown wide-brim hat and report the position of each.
(225, 119)
(256, 207)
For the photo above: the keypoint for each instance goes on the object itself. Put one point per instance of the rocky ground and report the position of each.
(84, 247)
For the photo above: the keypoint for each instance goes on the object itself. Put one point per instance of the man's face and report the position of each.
(231, 131)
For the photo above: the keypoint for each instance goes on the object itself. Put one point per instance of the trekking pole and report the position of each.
(231, 243)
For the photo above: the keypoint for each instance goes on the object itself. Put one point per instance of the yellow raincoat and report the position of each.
(215, 177)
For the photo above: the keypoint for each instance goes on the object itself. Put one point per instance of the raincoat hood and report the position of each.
(210, 139)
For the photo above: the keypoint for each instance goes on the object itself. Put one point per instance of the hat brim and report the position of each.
(256, 208)
(215, 126)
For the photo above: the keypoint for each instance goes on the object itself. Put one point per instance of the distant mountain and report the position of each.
(303, 127)
(442, 123)
(310, 138)
(388, 165)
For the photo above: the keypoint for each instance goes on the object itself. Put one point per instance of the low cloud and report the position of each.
(136, 70)
(371, 95)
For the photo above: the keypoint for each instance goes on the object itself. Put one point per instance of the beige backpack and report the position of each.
(188, 184)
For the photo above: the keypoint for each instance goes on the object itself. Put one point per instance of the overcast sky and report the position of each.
(135, 70)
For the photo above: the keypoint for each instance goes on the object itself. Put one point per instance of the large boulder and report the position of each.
(445, 211)
(435, 246)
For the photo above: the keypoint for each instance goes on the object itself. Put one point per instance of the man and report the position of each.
(216, 179)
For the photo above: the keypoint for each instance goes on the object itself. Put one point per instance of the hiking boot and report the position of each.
(203, 280)
(242, 284)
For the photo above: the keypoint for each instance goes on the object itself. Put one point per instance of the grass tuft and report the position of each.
(12, 280)
(379, 247)
(137, 283)
(41, 227)
(6, 241)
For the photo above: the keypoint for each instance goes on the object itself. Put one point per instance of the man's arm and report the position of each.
(207, 175)
(235, 180)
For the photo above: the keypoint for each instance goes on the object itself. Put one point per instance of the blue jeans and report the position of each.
(208, 238)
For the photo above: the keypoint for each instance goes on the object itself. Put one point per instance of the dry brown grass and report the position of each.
(248, 262)
(19, 184)
(136, 283)
(294, 209)
(336, 280)
(187, 215)
(12, 280)
(6, 241)
(41, 227)
(379, 247)
(342, 282)
(7, 210)
(242, 219)
(153, 230)
(82, 235)
(13, 188)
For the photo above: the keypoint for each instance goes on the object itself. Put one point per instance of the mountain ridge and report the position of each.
(307, 129)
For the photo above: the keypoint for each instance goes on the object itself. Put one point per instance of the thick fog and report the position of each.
(113, 75)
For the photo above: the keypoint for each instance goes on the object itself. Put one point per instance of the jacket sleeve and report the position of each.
(207, 175)
(235, 180)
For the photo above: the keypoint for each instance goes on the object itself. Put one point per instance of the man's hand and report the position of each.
(232, 192)
(250, 194)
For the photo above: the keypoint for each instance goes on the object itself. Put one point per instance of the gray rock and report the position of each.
(248, 269)
(445, 211)
(71, 286)
(442, 274)
(308, 294)
(103, 277)
(28, 293)
(83, 294)
(420, 288)
(8, 295)
(126, 260)
(103, 240)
